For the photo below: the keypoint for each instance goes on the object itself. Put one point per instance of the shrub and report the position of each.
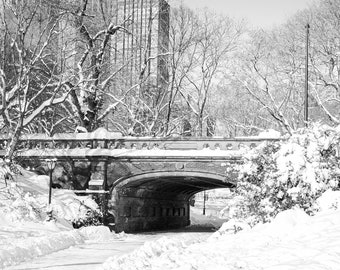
(92, 218)
(294, 172)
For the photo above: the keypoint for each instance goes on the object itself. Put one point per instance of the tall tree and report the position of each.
(216, 41)
(324, 19)
(272, 69)
(114, 82)
(201, 44)
(30, 81)
(183, 39)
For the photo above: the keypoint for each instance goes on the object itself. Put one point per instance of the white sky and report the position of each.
(259, 13)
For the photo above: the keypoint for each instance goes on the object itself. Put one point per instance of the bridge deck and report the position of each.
(132, 153)
(111, 144)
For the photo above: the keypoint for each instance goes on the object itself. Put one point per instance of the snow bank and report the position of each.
(292, 241)
(19, 250)
(100, 234)
(149, 255)
(24, 233)
(26, 198)
(23, 243)
(152, 255)
(230, 227)
(67, 205)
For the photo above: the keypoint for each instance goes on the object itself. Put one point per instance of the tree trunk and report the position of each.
(13, 142)
(200, 125)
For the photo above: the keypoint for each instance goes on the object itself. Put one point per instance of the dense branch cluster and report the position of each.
(57, 71)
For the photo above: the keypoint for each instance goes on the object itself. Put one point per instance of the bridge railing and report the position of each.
(114, 141)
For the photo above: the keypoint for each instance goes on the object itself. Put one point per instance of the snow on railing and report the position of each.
(111, 140)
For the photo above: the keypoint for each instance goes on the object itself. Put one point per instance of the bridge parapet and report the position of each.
(114, 141)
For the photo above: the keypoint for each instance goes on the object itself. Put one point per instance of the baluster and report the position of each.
(230, 146)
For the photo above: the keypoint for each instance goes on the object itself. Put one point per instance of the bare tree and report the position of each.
(114, 85)
(216, 40)
(88, 64)
(325, 57)
(273, 72)
(30, 81)
(183, 45)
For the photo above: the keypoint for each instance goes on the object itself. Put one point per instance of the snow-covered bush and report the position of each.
(7, 171)
(25, 197)
(277, 176)
(329, 200)
(91, 218)
(79, 210)
(19, 205)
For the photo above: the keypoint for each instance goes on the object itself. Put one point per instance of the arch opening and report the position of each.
(160, 200)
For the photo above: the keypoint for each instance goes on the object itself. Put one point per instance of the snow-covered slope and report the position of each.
(292, 241)
(24, 231)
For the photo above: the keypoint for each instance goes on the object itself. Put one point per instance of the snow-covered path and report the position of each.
(85, 256)
(90, 255)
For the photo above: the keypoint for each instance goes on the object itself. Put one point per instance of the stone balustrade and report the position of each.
(72, 141)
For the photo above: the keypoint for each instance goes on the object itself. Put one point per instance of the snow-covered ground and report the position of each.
(24, 231)
(97, 244)
(89, 249)
(29, 241)
(197, 219)
(293, 240)
(90, 254)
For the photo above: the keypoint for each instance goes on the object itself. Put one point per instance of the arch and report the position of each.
(185, 183)
(160, 199)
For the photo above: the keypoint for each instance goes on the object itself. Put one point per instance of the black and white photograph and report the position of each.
(170, 134)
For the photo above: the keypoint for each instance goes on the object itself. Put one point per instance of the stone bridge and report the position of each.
(146, 183)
